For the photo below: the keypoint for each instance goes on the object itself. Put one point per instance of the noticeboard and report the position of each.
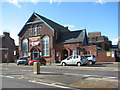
(108, 54)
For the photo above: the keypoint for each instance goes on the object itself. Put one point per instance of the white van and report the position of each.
(74, 60)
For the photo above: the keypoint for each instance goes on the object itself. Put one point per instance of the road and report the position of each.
(21, 83)
(59, 77)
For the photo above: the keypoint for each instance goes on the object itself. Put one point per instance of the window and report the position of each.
(45, 46)
(75, 57)
(34, 31)
(30, 32)
(39, 30)
(88, 52)
(93, 38)
(96, 38)
(25, 47)
(69, 58)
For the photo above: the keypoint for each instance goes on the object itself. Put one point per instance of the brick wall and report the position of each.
(45, 30)
(8, 42)
(69, 47)
(102, 57)
(92, 49)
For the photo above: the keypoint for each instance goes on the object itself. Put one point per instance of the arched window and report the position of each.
(45, 46)
(25, 47)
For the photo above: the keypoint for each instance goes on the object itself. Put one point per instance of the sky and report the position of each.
(96, 16)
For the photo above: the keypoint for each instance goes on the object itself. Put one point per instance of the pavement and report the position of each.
(99, 66)
(73, 80)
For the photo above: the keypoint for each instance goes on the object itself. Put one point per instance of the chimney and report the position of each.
(66, 27)
(6, 34)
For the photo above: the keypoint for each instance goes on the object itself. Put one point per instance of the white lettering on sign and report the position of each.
(35, 43)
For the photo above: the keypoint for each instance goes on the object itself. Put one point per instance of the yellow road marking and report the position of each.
(103, 80)
(90, 85)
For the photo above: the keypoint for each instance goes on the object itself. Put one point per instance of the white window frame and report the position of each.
(46, 51)
(39, 29)
(30, 31)
(25, 49)
(34, 31)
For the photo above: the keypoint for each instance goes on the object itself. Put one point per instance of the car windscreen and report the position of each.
(87, 56)
(23, 59)
(38, 59)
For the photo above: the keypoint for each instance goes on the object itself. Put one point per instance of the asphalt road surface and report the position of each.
(12, 76)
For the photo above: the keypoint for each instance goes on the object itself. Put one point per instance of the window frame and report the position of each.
(30, 31)
(39, 29)
(45, 46)
(25, 48)
(34, 31)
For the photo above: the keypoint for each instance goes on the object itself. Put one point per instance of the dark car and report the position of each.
(22, 61)
(39, 59)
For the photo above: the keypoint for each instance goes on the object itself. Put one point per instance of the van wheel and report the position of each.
(90, 63)
(79, 64)
(63, 64)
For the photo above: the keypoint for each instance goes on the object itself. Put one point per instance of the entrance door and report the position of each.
(64, 54)
(35, 54)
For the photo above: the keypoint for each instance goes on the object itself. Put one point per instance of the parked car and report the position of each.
(74, 60)
(91, 59)
(22, 61)
(39, 59)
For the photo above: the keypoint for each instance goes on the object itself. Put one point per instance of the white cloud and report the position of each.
(69, 26)
(115, 41)
(100, 1)
(15, 2)
(51, 1)
(34, 1)
(15, 37)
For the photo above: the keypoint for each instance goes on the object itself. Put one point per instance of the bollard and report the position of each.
(36, 67)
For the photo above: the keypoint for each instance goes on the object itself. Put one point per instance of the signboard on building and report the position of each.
(74, 52)
(34, 38)
(112, 53)
(35, 43)
(108, 54)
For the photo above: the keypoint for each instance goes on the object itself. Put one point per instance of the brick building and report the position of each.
(41, 37)
(95, 38)
(7, 48)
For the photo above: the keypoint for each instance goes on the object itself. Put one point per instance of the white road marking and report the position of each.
(49, 84)
(91, 75)
(8, 77)
(26, 70)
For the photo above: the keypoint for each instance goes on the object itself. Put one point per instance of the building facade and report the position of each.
(95, 38)
(42, 37)
(7, 48)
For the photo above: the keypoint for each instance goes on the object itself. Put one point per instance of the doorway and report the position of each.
(64, 54)
(35, 54)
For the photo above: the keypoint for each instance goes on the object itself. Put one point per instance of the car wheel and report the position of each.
(63, 64)
(31, 63)
(44, 63)
(79, 64)
(90, 63)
